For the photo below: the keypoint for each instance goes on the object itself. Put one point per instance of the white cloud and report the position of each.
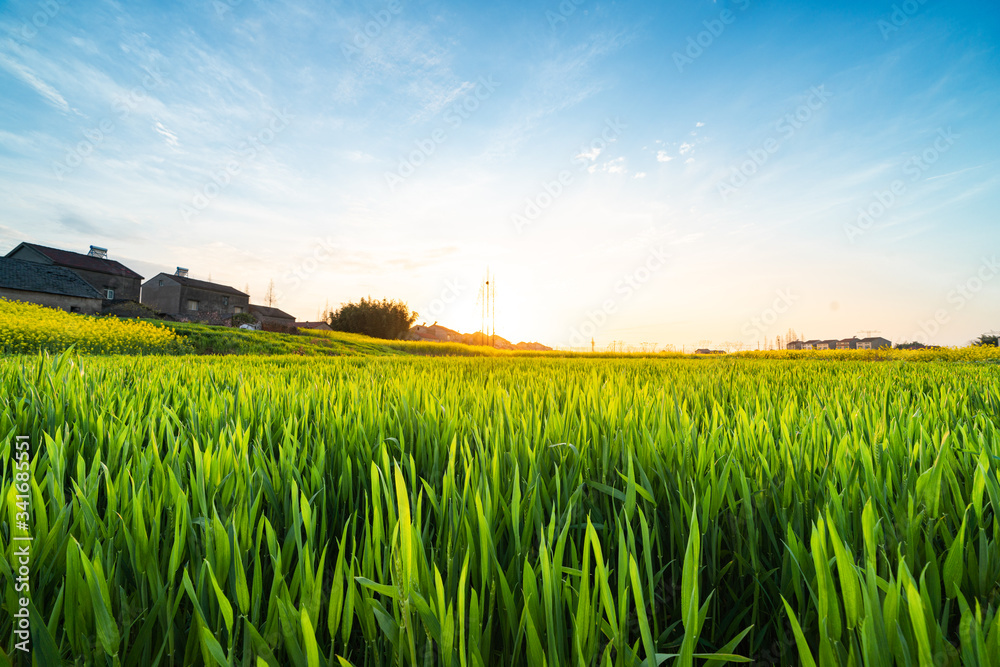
(699, 124)
(616, 166)
(591, 154)
(686, 148)
(640, 174)
(663, 157)
(166, 134)
(50, 94)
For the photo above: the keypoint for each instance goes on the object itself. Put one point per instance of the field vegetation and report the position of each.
(471, 512)
(28, 327)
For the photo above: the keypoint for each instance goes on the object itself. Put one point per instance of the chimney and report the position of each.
(97, 251)
(181, 272)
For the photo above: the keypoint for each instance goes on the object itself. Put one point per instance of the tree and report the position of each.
(270, 296)
(371, 317)
(988, 339)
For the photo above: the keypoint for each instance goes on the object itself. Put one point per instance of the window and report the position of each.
(225, 301)
(192, 304)
(160, 283)
(74, 309)
(109, 294)
(238, 309)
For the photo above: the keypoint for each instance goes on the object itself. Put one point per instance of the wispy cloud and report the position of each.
(22, 72)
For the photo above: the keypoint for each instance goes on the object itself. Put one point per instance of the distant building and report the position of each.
(318, 326)
(113, 280)
(435, 333)
(874, 343)
(827, 344)
(811, 344)
(182, 297)
(269, 315)
(794, 345)
(848, 343)
(47, 285)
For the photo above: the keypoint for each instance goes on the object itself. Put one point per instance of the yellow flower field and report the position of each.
(27, 328)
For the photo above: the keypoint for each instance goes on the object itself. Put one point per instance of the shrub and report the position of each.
(378, 319)
(243, 318)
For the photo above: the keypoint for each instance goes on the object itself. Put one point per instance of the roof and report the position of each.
(313, 325)
(18, 274)
(268, 311)
(872, 338)
(76, 260)
(202, 284)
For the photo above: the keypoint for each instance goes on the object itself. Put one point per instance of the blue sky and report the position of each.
(673, 173)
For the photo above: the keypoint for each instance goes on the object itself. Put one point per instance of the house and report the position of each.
(47, 285)
(874, 343)
(827, 344)
(114, 280)
(811, 344)
(435, 333)
(848, 343)
(269, 315)
(181, 296)
(318, 326)
(794, 345)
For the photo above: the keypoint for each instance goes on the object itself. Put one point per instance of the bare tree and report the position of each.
(270, 296)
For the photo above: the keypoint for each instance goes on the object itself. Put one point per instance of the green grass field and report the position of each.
(490, 511)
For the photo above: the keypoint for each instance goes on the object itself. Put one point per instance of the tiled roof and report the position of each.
(76, 260)
(18, 274)
(205, 285)
(268, 311)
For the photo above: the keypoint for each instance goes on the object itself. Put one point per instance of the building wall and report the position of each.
(210, 303)
(60, 301)
(126, 289)
(281, 321)
(164, 299)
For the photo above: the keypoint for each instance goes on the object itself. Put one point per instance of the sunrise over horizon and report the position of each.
(838, 160)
